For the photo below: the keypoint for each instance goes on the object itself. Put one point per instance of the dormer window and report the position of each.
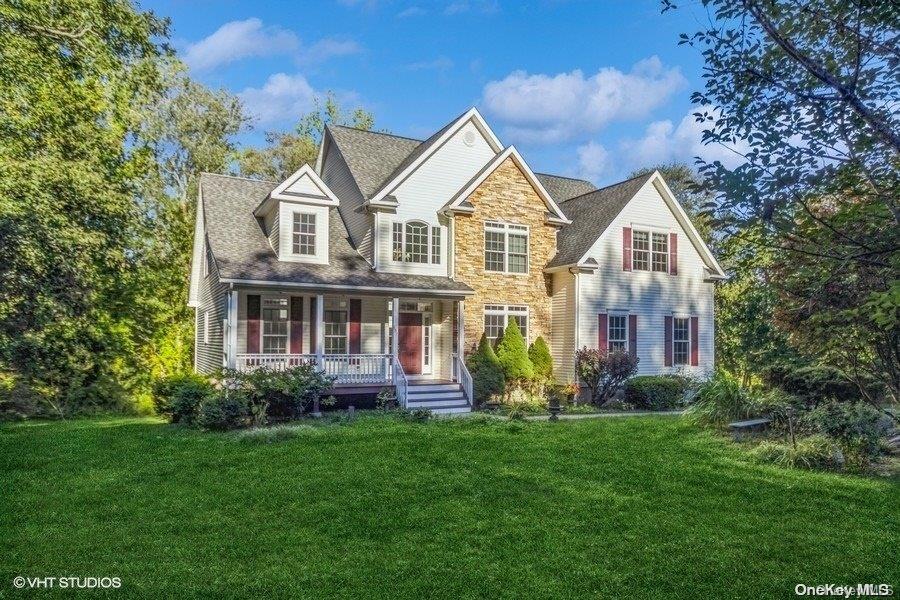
(304, 234)
(416, 242)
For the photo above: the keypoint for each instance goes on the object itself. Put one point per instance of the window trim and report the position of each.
(325, 336)
(262, 324)
(505, 228)
(505, 312)
(314, 234)
(664, 231)
(430, 230)
(687, 340)
(609, 340)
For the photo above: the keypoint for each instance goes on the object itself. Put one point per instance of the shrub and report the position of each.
(487, 373)
(284, 394)
(386, 399)
(814, 384)
(603, 372)
(721, 400)
(228, 409)
(812, 452)
(513, 355)
(179, 396)
(416, 415)
(655, 392)
(857, 427)
(539, 354)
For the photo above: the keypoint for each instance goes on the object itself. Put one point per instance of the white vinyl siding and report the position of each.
(562, 326)
(360, 223)
(650, 295)
(422, 195)
(208, 339)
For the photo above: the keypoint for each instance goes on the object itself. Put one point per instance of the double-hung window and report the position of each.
(336, 331)
(650, 250)
(681, 340)
(416, 242)
(496, 317)
(505, 247)
(275, 325)
(304, 234)
(618, 333)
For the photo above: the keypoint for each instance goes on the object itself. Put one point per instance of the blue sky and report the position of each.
(591, 89)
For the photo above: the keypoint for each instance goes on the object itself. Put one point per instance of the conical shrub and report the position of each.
(513, 354)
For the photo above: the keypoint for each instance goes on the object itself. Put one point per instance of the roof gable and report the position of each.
(459, 200)
(371, 156)
(423, 152)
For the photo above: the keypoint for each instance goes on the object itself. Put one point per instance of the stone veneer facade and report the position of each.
(506, 195)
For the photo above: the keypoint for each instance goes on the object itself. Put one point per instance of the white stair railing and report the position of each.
(401, 385)
(462, 376)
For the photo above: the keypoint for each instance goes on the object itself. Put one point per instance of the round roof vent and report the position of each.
(469, 138)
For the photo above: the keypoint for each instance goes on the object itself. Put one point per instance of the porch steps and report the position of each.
(439, 398)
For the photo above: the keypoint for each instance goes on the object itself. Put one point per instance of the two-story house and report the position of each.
(387, 260)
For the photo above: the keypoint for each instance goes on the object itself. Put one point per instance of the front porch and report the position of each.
(365, 341)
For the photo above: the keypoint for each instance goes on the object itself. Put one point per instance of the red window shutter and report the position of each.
(632, 335)
(253, 312)
(668, 341)
(695, 341)
(354, 317)
(603, 332)
(296, 325)
(626, 248)
(313, 340)
(673, 254)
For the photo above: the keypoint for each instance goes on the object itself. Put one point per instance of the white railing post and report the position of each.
(395, 323)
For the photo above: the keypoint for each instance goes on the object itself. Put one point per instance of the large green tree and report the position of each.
(285, 152)
(71, 76)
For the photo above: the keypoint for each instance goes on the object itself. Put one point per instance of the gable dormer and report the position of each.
(295, 217)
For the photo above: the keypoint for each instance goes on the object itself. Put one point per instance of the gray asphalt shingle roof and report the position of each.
(563, 188)
(371, 156)
(242, 251)
(591, 214)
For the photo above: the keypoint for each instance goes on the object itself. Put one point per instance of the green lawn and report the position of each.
(639, 507)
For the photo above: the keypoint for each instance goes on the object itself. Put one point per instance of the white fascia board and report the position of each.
(685, 221)
(199, 247)
(471, 114)
(511, 152)
(338, 286)
(327, 199)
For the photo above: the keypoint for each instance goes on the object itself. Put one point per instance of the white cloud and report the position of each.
(282, 98)
(239, 39)
(236, 40)
(441, 63)
(464, 6)
(663, 141)
(553, 108)
(412, 11)
(328, 48)
(593, 160)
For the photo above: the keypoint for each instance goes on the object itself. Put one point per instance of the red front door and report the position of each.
(409, 333)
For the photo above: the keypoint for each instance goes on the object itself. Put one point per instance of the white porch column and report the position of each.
(395, 321)
(231, 330)
(460, 330)
(319, 342)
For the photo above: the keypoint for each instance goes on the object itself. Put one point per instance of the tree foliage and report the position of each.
(603, 372)
(285, 152)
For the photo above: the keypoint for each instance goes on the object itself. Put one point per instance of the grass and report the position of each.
(645, 507)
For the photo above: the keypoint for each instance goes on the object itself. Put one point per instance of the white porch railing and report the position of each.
(400, 384)
(462, 376)
(346, 368)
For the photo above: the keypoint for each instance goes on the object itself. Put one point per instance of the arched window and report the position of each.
(416, 248)
(416, 242)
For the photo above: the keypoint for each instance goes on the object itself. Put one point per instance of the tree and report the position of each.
(539, 354)
(603, 372)
(487, 373)
(513, 355)
(70, 81)
(689, 189)
(285, 152)
(805, 94)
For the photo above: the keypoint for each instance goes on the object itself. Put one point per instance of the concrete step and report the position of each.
(430, 403)
(434, 395)
(452, 410)
(423, 388)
